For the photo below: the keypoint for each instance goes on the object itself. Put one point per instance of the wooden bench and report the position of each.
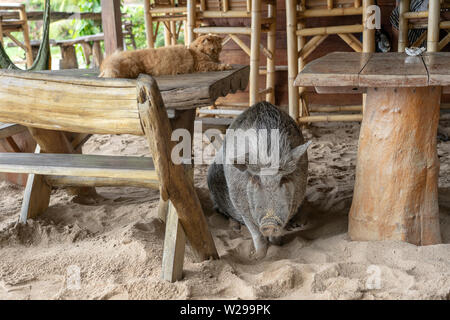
(91, 47)
(77, 101)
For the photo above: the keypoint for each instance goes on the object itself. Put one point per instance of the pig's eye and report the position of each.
(284, 180)
(255, 180)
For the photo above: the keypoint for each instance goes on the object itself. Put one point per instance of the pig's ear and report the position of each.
(299, 151)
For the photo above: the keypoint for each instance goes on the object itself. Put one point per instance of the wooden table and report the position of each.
(54, 104)
(396, 186)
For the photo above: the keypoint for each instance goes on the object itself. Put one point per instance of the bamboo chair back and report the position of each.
(171, 14)
(223, 14)
(430, 19)
(304, 40)
(19, 24)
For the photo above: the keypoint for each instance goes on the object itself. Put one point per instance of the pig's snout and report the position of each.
(270, 230)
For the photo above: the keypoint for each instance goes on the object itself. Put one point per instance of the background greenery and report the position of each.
(70, 29)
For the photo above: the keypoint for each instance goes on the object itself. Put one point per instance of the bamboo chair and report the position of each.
(167, 13)
(429, 20)
(20, 24)
(46, 170)
(251, 12)
(298, 13)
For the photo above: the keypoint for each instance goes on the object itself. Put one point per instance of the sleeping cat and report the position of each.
(201, 56)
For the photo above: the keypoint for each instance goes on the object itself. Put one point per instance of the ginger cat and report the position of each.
(201, 56)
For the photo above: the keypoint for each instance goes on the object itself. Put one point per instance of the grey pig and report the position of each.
(245, 190)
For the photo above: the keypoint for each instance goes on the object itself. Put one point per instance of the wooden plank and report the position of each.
(112, 25)
(70, 181)
(174, 246)
(394, 69)
(79, 165)
(335, 69)
(10, 129)
(438, 66)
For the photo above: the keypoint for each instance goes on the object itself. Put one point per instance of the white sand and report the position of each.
(117, 243)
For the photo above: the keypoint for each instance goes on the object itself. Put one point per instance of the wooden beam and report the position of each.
(175, 183)
(112, 26)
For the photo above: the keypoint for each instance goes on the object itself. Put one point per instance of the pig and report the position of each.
(264, 194)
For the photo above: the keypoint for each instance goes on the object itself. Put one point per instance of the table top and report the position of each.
(183, 91)
(393, 69)
(59, 99)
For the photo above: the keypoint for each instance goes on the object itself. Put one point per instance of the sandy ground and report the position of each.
(116, 244)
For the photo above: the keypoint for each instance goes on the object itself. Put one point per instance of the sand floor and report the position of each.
(116, 244)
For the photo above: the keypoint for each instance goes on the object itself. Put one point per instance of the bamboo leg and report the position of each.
(368, 39)
(271, 46)
(403, 25)
(167, 37)
(434, 12)
(368, 34)
(254, 52)
(396, 195)
(292, 52)
(174, 247)
(1, 31)
(173, 32)
(36, 196)
(148, 24)
(191, 21)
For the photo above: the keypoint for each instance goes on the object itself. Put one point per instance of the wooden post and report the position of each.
(112, 25)
(26, 36)
(1, 31)
(292, 53)
(97, 54)
(174, 246)
(403, 25)
(36, 197)
(148, 24)
(254, 52)
(434, 14)
(191, 21)
(396, 186)
(68, 57)
(271, 46)
(175, 183)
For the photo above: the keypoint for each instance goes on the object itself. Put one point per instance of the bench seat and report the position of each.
(130, 168)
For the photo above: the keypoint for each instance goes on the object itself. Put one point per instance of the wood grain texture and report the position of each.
(394, 69)
(78, 101)
(175, 183)
(438, 66)
(336, 69)
(376, 70)
(397, 169)
(79, 165)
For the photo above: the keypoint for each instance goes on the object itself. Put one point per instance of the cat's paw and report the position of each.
(225, 66)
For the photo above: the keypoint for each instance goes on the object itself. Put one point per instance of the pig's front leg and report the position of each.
(259, 241)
